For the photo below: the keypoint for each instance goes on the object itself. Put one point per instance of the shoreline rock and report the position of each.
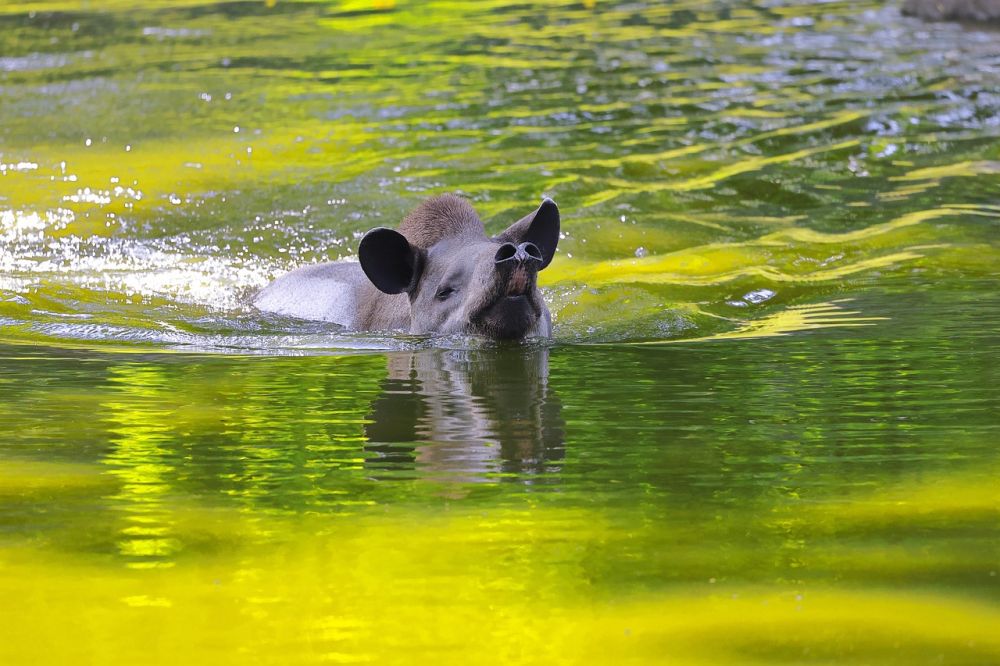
(973, 11)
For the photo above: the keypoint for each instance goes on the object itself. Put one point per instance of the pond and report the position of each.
(765, 430)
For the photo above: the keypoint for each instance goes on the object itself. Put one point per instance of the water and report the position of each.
(765, 430)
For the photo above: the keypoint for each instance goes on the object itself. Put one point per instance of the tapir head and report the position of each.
(459, 280)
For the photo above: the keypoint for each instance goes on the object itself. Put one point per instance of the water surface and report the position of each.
(765, 430)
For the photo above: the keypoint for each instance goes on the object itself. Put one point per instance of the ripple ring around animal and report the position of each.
(439, 273)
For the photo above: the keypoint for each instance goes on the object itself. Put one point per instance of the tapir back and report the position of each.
(337, 292)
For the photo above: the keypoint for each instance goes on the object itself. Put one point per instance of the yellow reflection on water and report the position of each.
(120, 180)
(790, 320)
(28, 478)
(745, 165)
(790, 254)
(516, 586)
(138, 460)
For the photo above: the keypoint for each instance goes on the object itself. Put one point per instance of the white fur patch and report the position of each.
(310, 298)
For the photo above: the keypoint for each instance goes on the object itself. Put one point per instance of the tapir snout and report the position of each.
(516, 267)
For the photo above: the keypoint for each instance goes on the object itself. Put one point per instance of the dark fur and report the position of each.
(975, 11)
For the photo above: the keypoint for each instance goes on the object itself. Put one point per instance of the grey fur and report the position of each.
(446, 216)
(458, 285)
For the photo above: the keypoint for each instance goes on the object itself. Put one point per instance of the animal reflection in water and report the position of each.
(465, 414)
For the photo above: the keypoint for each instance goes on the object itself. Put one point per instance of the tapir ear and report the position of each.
(540, 228)
(389, 261)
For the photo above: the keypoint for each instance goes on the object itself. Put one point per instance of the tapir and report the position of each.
(439, 273)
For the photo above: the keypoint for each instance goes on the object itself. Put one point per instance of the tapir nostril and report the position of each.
(507, 252)
(531, 251)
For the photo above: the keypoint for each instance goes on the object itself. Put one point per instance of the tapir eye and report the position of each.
(444, 293)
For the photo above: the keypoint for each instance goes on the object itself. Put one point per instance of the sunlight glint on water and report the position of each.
(801, 199)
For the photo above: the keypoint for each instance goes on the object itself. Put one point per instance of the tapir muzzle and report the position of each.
(519, 254)
(512, 309)
(516, 267)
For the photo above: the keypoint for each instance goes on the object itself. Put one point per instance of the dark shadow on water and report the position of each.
(466, 413)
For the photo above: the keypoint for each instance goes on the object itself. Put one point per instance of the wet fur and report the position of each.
(446, 216)
(500, 302)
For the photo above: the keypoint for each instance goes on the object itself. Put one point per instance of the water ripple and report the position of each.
(698, 153)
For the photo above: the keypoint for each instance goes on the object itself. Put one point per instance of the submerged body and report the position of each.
(439, 273)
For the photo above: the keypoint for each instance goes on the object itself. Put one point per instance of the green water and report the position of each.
(765, 430)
